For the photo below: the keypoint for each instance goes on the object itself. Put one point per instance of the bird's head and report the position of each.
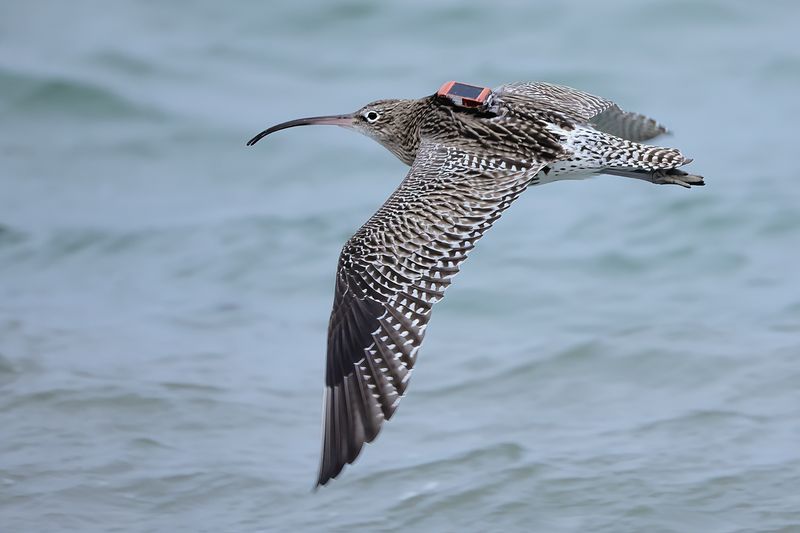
(393, 123)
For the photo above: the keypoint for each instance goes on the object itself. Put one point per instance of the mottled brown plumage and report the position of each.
(467, 166)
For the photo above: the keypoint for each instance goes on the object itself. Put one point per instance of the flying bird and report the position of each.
(472, 151)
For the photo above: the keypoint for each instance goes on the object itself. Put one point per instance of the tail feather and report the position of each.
(596, 152)
(641, 156)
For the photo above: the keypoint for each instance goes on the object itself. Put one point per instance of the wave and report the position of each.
(26, 94)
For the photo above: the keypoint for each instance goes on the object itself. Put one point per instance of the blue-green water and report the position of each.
(615, 356)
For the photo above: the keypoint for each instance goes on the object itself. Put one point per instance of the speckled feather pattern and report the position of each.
(391, 273)
(467, 167)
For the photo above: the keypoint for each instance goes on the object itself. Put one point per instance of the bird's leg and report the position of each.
(661, 176)
(676, 177)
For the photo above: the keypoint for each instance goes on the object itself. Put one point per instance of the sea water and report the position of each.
(615, 356)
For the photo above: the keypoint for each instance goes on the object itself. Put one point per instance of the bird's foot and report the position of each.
(674, 176)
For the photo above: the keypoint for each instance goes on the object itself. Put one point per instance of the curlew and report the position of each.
(472, 152)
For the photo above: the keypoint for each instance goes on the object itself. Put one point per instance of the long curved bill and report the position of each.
(332, 120)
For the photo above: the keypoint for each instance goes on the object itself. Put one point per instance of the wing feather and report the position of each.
(390, 274)
(627, 125)
(604, 115)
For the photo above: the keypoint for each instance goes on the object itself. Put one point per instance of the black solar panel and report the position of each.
(465, 91)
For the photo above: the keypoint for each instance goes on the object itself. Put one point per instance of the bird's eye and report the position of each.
(372, 116)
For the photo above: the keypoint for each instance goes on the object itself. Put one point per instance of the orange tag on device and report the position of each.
(464, 95)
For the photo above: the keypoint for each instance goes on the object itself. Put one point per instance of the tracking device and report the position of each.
(464, 95)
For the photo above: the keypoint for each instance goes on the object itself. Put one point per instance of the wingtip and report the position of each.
(325, 476)
(322, 481)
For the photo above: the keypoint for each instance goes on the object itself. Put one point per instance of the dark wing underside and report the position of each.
(604, 115)
(390, 274)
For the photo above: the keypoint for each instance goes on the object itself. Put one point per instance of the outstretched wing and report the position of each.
(390, 274)
(602, 114)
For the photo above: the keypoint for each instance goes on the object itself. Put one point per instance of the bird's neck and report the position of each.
(406, 144)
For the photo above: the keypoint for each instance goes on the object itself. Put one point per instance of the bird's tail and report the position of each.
(656, 164)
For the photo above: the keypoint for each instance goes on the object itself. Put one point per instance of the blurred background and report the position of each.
(615, 356)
